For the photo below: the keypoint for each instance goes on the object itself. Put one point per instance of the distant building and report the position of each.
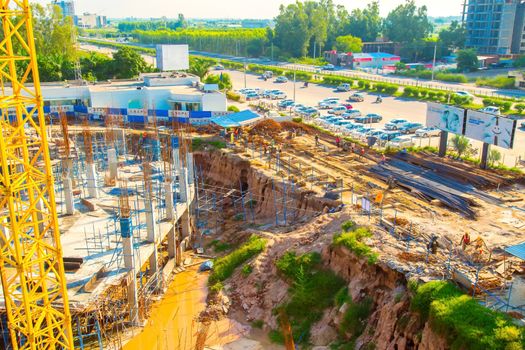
(67, 7)
(91, 20)
(373, 60)
(495, 27)
(519, 79)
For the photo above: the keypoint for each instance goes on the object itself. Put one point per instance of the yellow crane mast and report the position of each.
(31, 268)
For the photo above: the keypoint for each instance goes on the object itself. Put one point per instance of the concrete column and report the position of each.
(91, 180)
(170, 210)
(484, 155)
(151, 226)
(185, 224)
(191, 170)
(113, 163)
(129, 263)
(183, 185)
(68, 195)
(172, 242)
(443, 140)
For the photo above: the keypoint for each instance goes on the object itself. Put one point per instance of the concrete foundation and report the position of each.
(91, 175)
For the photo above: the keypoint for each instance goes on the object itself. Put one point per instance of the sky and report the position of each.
(233, 8)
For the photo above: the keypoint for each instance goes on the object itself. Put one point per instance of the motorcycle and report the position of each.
(379, 99)
(305, 84)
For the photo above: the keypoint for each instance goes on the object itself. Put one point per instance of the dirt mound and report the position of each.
(268, 127)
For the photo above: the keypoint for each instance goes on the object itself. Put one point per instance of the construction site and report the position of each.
(163, 233)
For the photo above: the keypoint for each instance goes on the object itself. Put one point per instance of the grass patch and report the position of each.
(219, 246)
(198, 144)
(465, 323)
(247, 270)
(499, 82)
(276, 336)
(312, 290)
(352, 240)
(258, 324)
(225, 266)
(355, 317)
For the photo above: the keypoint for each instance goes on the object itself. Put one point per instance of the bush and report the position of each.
(224, 267)
(247, 270)
(348, 226)
(354, 319)
(352, 240)
(361, 84)
(520, 107)
(233, 109)
(454, 78)
(216, 288)
(297, 120)
(503, 105)
(233, 96)
(500, 82)
(307, 301)
(257, 324)
(465, 323)
(431, 95)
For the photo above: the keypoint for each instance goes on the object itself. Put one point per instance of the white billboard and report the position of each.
(173, 57)
(445, 117)
(491, 129)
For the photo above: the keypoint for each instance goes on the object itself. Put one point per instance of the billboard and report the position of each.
(173, 57)
(490, 128)
(446, 118)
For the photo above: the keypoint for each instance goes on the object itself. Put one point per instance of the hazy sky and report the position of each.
(234, 8)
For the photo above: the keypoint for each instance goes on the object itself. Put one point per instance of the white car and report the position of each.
(352, 113)
(330, 99)
(278, 95)
(328, 104)
(343, 87)
(491, 110)
(401, 142)
(428, 131)
(338, 110)
(464, 94)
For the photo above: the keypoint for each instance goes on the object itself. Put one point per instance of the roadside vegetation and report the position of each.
(463, 321)
(352, 238)
(499, 82)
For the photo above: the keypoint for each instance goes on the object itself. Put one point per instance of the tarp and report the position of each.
(236, 120)
(517, 250)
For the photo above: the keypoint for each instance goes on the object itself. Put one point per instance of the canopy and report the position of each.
(517, 250)
(236, 120)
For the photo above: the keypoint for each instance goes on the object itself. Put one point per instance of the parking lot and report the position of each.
(391, 108)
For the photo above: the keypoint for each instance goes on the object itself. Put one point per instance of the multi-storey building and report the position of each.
(67, 7)
(495, 27)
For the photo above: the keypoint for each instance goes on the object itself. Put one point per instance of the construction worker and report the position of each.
(362, 152)
(432, 245)
(337, 141)
(316, 140)
(465, 240)
(383, 159)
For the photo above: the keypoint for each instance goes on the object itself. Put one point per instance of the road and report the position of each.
(392, 107)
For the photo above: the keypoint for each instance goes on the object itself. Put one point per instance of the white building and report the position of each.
(161, 94)
(90, 20)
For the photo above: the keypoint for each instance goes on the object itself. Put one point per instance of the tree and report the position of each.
(317, 26)
(493, 157)
(291, 30)
(96, 66)
(400, 66)
(407, 23)
(127, 63)
(348, 43)
(366, 23)
(467, 60)
(453, 37)
(223, 80)
(200, 67)
(460, 144)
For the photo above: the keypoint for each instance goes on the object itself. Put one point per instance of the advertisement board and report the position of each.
(173, 57)
(446, 118)
(491, 129)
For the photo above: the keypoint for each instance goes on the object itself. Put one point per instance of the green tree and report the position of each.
(493, 157)
(365, 23)
(348, 43)
(460, 144)
(407, 23)
(291, 30)
(223, 80)
(200, 67)
(317, 26)
(96, 66)
(467, 60)
(127, 63)
(453, 37)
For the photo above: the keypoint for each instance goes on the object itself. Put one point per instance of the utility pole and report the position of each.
(245, 72)
(434, 60)
(294, 70)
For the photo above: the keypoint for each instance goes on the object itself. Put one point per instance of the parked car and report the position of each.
(310, 112)
(464, 94)
(269, 93)
(252, 96)
(281, 79)
(491, 110)
(357, 97)
(347, 105)
(218, 67)
(328, 104)
(351, 114)
(278, 95)
(352, 126)
(330, 99)
(338, 110)
(523, 125)
(428, 131)
(285, 104)
(389, 135)
(343, 87)
(394, 124)
(328, 67)
(408, 128)
(268, 74)
(401, 142)
(370, 118)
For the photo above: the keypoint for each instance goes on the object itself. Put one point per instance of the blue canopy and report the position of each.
(517, 250)
(236, 120)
